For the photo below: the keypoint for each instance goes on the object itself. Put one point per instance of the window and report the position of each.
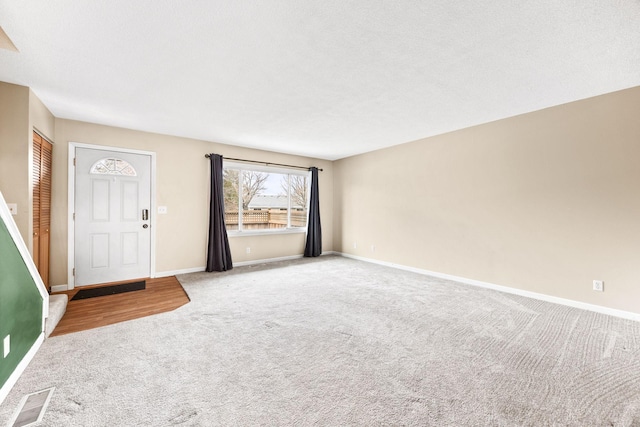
(113, 167)
(262, 198)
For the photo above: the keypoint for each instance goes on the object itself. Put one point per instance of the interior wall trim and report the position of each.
(12, 227)
(268, 260)
(177, 272)
(535, 295)
(237, 264)
(11, 381)
(283, 258)
(41, 134)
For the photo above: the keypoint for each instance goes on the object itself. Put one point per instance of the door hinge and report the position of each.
(74, 161)
(73, 271)
(74, 216)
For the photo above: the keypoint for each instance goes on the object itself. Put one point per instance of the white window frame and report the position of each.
(268, 169)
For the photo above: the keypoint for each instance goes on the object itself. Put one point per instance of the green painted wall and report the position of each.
(20, 305)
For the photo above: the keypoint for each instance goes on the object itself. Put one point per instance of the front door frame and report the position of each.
(71, 254)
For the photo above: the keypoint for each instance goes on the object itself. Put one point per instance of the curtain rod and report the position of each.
(264, 163)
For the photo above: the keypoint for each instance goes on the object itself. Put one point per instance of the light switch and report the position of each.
(13, 208)
(162, 210)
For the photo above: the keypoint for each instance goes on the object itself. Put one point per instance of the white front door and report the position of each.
(112, 216)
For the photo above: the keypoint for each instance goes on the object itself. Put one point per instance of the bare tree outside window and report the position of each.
(252, 183)
(298, 186)
(269, 201)
(230, 186)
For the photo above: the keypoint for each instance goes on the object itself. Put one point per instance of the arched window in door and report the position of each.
(113, 166)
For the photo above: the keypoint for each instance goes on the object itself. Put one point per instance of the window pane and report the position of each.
(257, 200)
(299, 194)
(266, 201)
(230, 184)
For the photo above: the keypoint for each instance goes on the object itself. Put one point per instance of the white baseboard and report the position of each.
(535, 295)
(176, 272)
(238, 264)
(59, 288)
(284, 258)
(263, 261)
(13, 378)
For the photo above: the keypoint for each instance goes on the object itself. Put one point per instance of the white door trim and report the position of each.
(71, 204)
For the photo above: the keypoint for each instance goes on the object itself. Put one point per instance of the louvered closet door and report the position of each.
(45, 209)
(42, 162)
(37, 160)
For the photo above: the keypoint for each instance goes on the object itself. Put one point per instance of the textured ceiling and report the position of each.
(325, 79)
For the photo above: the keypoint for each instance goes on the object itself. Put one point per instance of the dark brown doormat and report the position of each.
(109, 290)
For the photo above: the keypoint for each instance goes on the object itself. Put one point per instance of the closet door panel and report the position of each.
(45, 209)
(42, 163)
(37, 165)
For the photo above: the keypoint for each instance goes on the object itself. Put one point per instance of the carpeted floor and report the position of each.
(333, 342)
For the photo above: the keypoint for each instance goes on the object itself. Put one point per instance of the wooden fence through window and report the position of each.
(264, 219)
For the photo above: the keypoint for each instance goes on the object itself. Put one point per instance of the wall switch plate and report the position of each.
(6, 345)
(248, 250)
(13, 208)
(162, 210)
(598, 285)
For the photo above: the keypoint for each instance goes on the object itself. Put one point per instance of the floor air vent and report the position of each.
(32, 408)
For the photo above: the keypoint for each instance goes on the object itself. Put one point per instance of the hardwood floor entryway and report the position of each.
(161, 295)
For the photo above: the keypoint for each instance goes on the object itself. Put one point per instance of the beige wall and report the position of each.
(15, 143)
(42, 121)
(544, 202)
(20, 112)
(40, 118)
(182, 185)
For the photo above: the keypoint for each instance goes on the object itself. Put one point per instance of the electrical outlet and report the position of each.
(373, 248)
(355, 245)
(6, 345)
(248, 250)
(598, 285)
(162, 210)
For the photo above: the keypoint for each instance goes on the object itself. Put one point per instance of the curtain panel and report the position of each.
(218, 251)
(313, 246)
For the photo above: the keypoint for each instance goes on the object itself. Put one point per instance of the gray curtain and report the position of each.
(314, 230)
(218, 253)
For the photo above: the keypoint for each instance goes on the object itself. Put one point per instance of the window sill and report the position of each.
(266, 232)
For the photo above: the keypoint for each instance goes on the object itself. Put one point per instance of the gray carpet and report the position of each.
(334, 341)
